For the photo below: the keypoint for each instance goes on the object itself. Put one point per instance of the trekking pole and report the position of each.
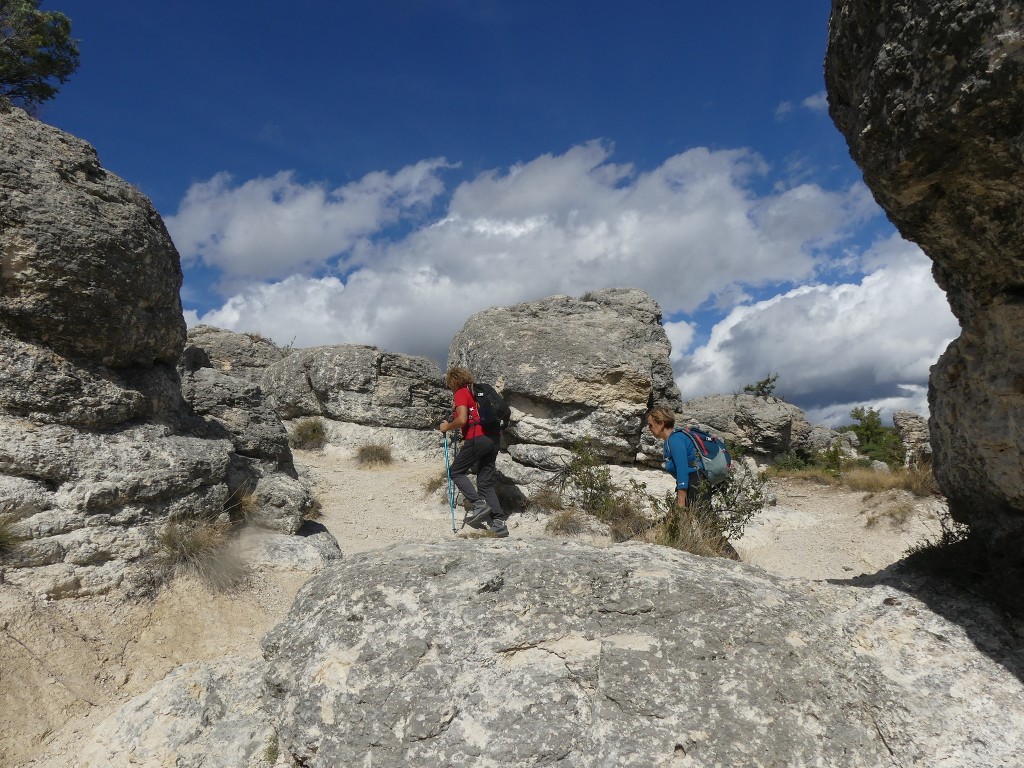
(451, 488)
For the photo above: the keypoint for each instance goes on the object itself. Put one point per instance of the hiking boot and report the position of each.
(498, 529)
(479, 516)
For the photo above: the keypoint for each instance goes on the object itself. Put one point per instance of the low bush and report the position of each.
(689, 530)
(201, 550)
(374, 455)
(633, 511)
(308, 435)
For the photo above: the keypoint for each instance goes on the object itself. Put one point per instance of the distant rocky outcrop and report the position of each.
(574, 369)
(512, 654)
(358, 384)
(242, 355)
(764, 427)
(912, 430)
(929, 97)
(98, 448)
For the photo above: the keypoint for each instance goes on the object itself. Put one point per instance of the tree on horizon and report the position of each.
(36, 48)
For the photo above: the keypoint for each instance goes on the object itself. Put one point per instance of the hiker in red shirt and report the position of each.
(479, 451)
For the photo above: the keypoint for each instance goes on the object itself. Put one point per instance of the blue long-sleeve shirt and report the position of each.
(680, 458)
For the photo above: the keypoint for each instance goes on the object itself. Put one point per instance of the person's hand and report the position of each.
(444, 426)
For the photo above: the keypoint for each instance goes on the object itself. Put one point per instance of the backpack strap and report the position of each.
(696, 464)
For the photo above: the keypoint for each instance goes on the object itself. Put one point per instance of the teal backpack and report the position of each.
(713, 460)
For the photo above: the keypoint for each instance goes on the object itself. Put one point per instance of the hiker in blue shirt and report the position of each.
(680, 455)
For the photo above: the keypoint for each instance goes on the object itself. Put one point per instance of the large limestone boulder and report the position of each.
(358, 384)
(764, 427)
(88, 268)
(242, 355)
(96, 451)
(929, 97)
(515, 653)
(262, 480)
(574, 369)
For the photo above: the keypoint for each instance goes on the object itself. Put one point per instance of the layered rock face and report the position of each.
(98, 450)
(758, 426)
(574, 369)
(930, 98)
(234, 408)
(519, 653)
(358, 384)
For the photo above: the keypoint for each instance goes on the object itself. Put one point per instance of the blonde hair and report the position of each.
(457, 378)
(663, 416)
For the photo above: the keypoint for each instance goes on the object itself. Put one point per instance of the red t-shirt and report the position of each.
(472, 429)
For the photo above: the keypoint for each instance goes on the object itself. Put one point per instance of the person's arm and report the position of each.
(679, 445)
(460, 420)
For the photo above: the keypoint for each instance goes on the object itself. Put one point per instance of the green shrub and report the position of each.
(374, 455)
(309, 435)
(630, 512)
(201, 549)
(763, 388)
(877, 442)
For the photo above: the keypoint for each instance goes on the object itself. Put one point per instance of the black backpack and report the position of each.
(492, 410)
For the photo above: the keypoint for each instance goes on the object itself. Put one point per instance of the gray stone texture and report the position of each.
(86, 266)
(358, 384)
(574, 369)
(518, 653)
(243, 355)
(930, 98)
(98, 448)
(912, 429)
(764, 427)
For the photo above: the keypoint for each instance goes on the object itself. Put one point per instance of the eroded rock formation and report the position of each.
(519, 653)
(930, 98)
(574, 369)
(98, 449)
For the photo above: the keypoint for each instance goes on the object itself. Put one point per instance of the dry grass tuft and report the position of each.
(547, 499)
(434, 484)
(567, 522)
(918, 482)
(9, 540)
(308, 435)
(201, 550)
(895, 512)
(817, 475)
(685, 531)
(374, 455)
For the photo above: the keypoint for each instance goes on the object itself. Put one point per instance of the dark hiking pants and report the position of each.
(478, 455)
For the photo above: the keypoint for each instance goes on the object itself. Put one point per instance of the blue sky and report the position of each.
(376, 172)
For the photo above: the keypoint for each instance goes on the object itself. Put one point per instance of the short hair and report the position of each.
(457, 378)
(663, 416)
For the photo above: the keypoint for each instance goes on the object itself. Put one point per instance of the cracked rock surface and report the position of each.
(515, 653)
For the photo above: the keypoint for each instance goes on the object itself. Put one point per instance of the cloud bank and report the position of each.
(391, 260)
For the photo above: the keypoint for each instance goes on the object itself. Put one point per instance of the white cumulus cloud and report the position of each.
(835, 346)
(705, 228)
(269, 228)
